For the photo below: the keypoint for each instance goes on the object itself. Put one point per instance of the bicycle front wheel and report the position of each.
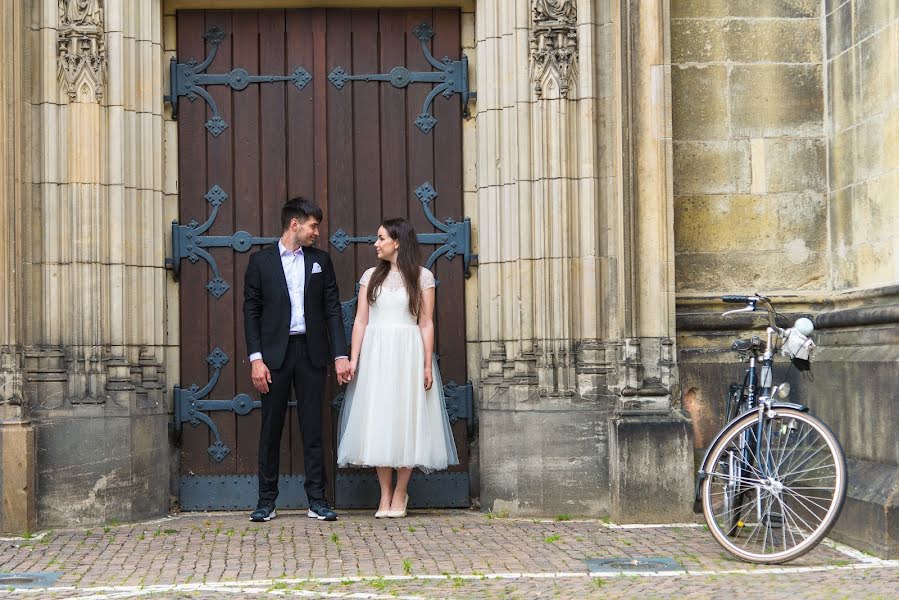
(771, 493)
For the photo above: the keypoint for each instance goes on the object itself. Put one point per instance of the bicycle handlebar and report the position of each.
(751, 302)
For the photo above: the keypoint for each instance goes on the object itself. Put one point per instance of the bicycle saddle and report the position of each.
(745, 345)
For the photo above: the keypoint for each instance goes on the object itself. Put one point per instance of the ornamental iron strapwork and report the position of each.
(451, 77)
(454, 237)
(190, 407)
(189, 242)
(187, 78)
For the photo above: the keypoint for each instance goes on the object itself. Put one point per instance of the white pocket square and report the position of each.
(316, 268)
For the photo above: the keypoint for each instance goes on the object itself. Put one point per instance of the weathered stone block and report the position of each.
(842, 158)
(652, 468)
(17, 472)
(842, 97)
(870, 517)
(870, 16)
(699, 8)
(750, 223)
(793, 268)
(868, 148)
(545, 462)
(795, 165)
(101, 468)
(795, 9)
(711, 167)
(878, 75)
(776, 100)
(699, 102)
(742, 8)
(744, 40)
(838, 29)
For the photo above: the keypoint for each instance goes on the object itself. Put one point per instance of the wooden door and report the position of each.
(245, 146)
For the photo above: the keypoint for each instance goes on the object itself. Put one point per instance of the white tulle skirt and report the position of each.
(388, 419)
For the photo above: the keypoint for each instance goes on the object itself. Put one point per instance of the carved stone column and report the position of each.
(651, 439)
(542, 171)
(94, 379)
(17, 452)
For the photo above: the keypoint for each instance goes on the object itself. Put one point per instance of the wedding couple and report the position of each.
(393, 415)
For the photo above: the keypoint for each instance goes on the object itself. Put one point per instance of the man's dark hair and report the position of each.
(301, 209)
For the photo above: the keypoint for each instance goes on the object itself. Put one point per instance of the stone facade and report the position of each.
(785, 125)
(626, 163)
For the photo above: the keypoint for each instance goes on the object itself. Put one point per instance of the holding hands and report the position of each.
(344, 371)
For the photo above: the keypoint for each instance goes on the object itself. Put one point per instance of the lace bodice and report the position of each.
(394, 280)
(392, 304)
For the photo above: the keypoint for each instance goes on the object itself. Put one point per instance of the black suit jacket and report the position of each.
(266, 308)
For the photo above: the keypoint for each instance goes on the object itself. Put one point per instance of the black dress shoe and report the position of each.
(263, 513)
(319, 509)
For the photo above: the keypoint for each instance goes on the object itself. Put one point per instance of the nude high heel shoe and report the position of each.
(398, 514)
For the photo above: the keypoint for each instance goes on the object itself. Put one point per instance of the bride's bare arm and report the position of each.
(359, 325)
(426, 325)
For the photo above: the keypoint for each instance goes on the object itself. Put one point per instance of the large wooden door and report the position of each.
(353, 146)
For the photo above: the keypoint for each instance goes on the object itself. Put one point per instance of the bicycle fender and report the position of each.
(701, 474)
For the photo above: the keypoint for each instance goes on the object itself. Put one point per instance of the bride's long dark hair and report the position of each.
(408, 259)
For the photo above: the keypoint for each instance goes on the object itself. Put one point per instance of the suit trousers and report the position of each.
(308, 383)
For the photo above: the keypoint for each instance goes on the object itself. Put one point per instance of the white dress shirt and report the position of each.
(294, 265)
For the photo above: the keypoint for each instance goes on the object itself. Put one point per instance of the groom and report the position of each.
(291, 311)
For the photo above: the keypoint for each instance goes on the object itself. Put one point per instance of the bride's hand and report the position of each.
(429, 378)
(351, 371)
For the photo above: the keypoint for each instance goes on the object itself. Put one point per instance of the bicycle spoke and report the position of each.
(805, 460)
(822, 465)
(800, 498)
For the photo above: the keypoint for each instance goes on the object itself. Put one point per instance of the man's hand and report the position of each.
(260, 375)
(342, 365)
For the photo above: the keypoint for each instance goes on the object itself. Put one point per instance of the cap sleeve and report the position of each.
(366, 277)
(427, 279)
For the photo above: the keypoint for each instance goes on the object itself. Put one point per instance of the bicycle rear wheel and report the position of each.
(771, 495)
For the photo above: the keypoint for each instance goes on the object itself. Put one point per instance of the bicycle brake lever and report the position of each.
(750, 308)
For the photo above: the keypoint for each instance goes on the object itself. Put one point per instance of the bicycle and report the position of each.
(773, 481)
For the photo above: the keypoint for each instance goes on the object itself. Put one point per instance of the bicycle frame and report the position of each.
(758, 384)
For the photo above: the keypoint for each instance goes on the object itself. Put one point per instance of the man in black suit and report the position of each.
(293, 326)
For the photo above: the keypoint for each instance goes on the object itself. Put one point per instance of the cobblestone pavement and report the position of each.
(430, 554)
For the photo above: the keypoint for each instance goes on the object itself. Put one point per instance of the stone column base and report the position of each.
(17, 459)
(651, 456)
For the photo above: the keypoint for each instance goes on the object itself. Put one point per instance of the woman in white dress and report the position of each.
(394, 412)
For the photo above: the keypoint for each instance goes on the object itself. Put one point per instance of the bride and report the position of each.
(394, 415)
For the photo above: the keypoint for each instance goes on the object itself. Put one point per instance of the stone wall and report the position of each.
(749, 147)
(855, 384)
(786, 158)
(17, 455)
(92, 326)
(863, 105)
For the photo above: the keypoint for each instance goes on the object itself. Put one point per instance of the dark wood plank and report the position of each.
(192, 206)
(392, 53)
(341, 194)
(420, 156)
(450, 312)
(273, 163)
(248, 217)
(301, 138)
(450, 309)
(366, 140)
(220, 171)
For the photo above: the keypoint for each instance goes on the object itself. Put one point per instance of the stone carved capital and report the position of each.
(553, 47)
(81, 50)
(11, 388)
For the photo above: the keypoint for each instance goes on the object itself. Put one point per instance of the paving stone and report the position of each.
(431, 554)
